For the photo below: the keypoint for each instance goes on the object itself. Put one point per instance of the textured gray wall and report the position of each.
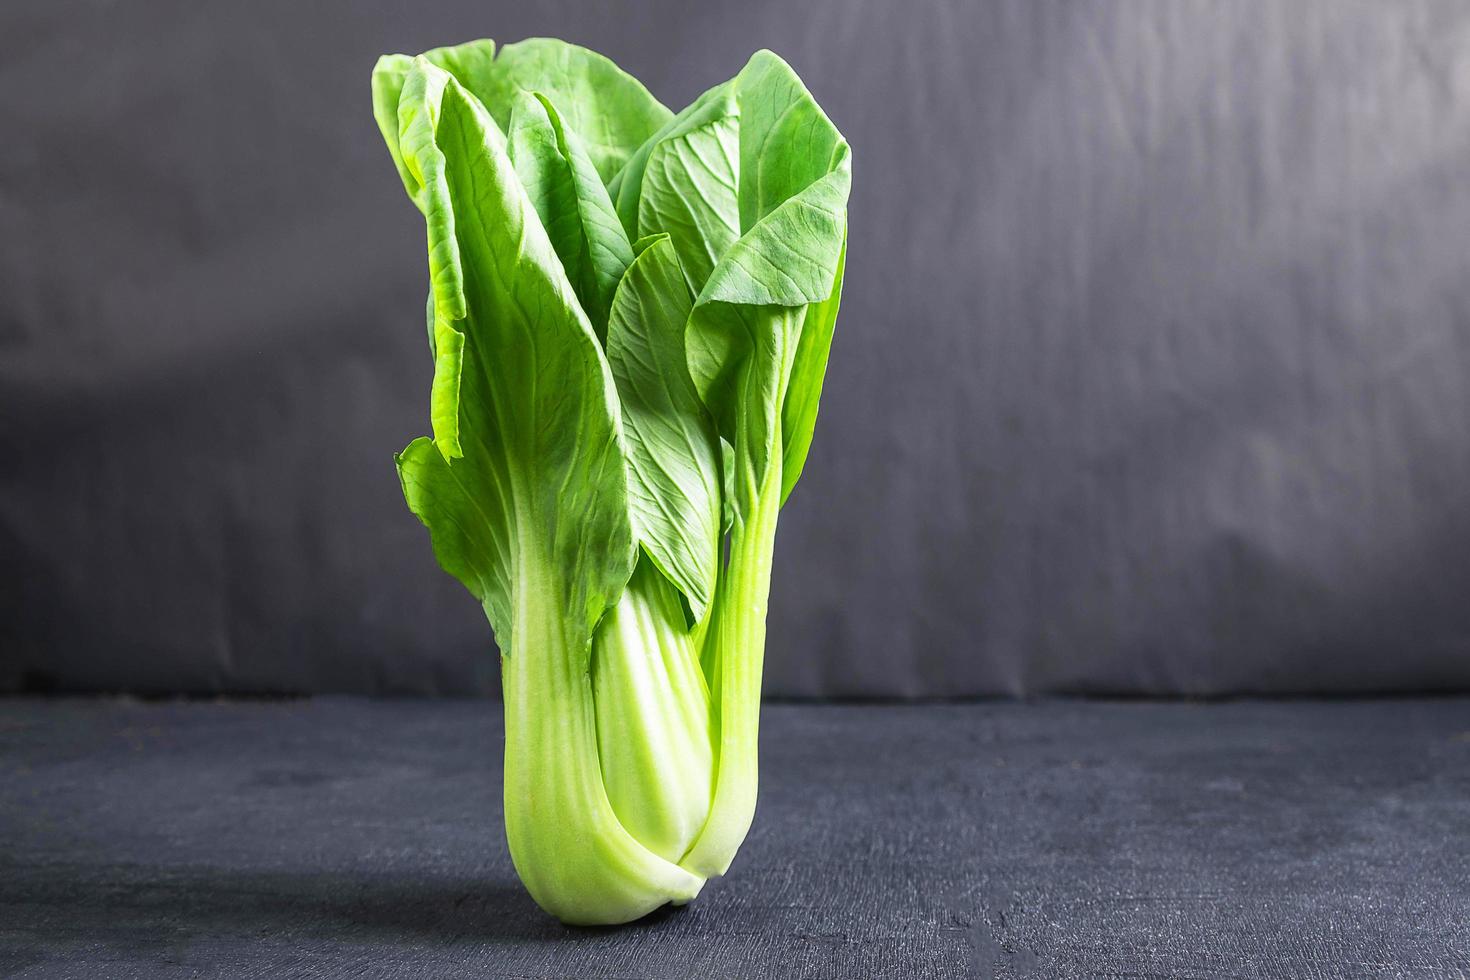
(1153, 372)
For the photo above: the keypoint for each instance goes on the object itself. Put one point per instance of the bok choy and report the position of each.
(630, 313)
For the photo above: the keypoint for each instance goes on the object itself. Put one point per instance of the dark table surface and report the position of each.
(340, 838)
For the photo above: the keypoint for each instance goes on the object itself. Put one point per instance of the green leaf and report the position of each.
(388, 76)
(786, 140)
(608, 108)
(524, 410)
(423, 166)
(465, 538)
(469, 63)
(739, 357)
(572, 202)
(690, 187)
(804, 389)
(673, 452)
(789, 257)
(627, 186)
(744, 334)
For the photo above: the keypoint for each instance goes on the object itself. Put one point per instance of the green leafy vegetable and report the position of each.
(630, 314)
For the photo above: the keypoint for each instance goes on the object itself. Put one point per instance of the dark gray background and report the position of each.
(1152, 375)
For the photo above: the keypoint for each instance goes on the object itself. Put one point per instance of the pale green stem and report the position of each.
(739, 637)
(569, 848)
(653, 716)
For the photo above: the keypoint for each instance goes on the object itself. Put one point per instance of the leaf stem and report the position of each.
(739, 635)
